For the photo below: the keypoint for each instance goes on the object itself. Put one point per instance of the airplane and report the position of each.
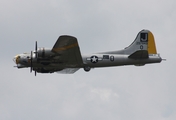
(65, 56)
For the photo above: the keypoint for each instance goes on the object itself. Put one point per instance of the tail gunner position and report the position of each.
(65, 56)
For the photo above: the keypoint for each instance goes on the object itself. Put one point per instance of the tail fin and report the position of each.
(143, 45)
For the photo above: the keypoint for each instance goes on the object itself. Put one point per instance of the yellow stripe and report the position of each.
(17, 59)
(65, 47)
(151, 44)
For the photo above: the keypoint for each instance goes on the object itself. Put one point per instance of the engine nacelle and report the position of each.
(44, 52)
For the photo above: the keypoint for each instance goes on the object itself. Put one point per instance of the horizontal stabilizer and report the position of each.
(140, 54)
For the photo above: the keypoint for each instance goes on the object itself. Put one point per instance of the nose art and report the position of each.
(16, 59)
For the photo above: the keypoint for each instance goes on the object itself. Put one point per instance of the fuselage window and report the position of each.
(105, 56)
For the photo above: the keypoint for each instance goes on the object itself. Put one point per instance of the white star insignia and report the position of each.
(94, 59)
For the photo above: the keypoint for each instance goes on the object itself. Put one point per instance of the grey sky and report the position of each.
(123, 93)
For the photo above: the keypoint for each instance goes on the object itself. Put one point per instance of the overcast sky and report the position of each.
(116, 93)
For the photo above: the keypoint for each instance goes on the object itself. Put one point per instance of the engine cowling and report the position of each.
(44, 53)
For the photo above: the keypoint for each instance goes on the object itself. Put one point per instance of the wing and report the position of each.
(68, 52)
(68, 71)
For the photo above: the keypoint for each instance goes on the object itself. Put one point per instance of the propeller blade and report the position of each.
(36, 45)
(31, 61)
(35, 73)
(36, 54)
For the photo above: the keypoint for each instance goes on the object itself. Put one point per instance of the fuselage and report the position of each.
(91, 60)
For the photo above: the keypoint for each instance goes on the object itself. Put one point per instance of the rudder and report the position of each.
(151, 44)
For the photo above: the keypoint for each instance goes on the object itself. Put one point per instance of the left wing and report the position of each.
(67, 49)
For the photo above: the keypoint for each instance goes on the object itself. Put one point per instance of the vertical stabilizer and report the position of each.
(143, 42)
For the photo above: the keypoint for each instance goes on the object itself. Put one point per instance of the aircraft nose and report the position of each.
(16, 59)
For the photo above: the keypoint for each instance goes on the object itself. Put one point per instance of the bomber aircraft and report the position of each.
(65, 56)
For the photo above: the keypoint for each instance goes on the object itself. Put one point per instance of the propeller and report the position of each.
(36, 57)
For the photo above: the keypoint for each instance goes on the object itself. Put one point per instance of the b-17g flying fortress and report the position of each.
(65, 56)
